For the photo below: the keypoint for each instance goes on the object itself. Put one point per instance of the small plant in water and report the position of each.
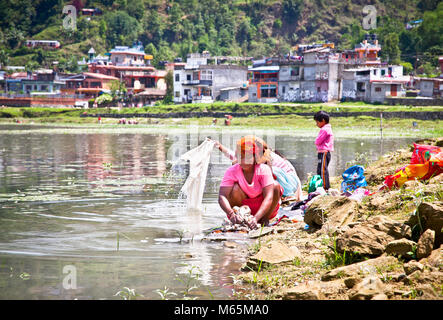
(128, 294)
(165, 294)
(189, 281)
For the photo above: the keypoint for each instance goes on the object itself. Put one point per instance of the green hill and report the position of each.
(257, 28)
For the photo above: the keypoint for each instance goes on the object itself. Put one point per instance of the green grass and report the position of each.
(290, 123)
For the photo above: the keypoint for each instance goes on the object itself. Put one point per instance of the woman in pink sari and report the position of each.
(250, 182)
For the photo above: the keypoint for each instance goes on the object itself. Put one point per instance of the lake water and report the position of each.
(84, 214)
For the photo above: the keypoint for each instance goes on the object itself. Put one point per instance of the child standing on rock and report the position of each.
(325, 145)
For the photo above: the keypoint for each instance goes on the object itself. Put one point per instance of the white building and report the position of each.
(197, 81)
(374, 84)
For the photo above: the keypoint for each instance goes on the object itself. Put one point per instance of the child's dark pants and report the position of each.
(322, 168)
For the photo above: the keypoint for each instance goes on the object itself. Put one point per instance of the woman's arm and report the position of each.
(224, 202)
(228, 153)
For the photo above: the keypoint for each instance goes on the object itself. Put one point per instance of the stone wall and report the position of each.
(414, 102)
(39, 102)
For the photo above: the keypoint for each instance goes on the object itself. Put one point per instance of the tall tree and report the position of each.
(390, 50)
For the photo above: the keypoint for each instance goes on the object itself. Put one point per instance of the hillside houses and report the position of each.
(311, 73)
(132, 66)
(374, 84)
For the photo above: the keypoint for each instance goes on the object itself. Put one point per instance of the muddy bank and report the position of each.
(388, 246)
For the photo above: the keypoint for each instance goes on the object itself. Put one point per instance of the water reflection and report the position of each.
(107, 204)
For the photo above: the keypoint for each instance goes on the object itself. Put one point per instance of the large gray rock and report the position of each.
(401, 247)
(362, 269)
(274, 252)
(431, 217)
(304, 291)
(435, 259)
(331, 212)
(425, 244)
(368, 288)
(412, 266)
(371, 237)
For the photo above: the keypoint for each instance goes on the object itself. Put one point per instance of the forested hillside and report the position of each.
(256, 28)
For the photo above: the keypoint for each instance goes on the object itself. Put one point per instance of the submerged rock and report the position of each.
(260, 232)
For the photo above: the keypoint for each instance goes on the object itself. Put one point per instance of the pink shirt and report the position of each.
(262, 178)
(325, 139)
(284, 164)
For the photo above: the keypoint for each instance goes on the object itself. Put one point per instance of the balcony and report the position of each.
(202, 99)
(190, 82)
(197, 82)
(264, 80)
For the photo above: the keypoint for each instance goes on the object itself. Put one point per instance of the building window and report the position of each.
(377, 89)
(177, 77)
(188, 77)
(177, 94)
(268, 91)
(361, 86)
(206, 75)
(283, 89)
(295, 72)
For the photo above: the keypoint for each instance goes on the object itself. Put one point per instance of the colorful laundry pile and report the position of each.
(426, 162)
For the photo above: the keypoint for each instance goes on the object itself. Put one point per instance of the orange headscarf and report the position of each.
(253, 146)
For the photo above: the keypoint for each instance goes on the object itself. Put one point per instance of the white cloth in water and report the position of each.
(194, 186)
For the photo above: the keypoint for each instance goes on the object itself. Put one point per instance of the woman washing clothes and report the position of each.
(283, 170)
(250, 182)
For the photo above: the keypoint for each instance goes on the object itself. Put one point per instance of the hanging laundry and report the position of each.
(194, 185)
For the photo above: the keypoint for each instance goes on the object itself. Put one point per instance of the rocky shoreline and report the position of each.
(388, 246)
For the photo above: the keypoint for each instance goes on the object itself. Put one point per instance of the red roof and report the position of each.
(99, 76)
(19, 75)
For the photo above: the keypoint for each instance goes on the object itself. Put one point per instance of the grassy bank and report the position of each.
(290, 123)
(247, 107)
